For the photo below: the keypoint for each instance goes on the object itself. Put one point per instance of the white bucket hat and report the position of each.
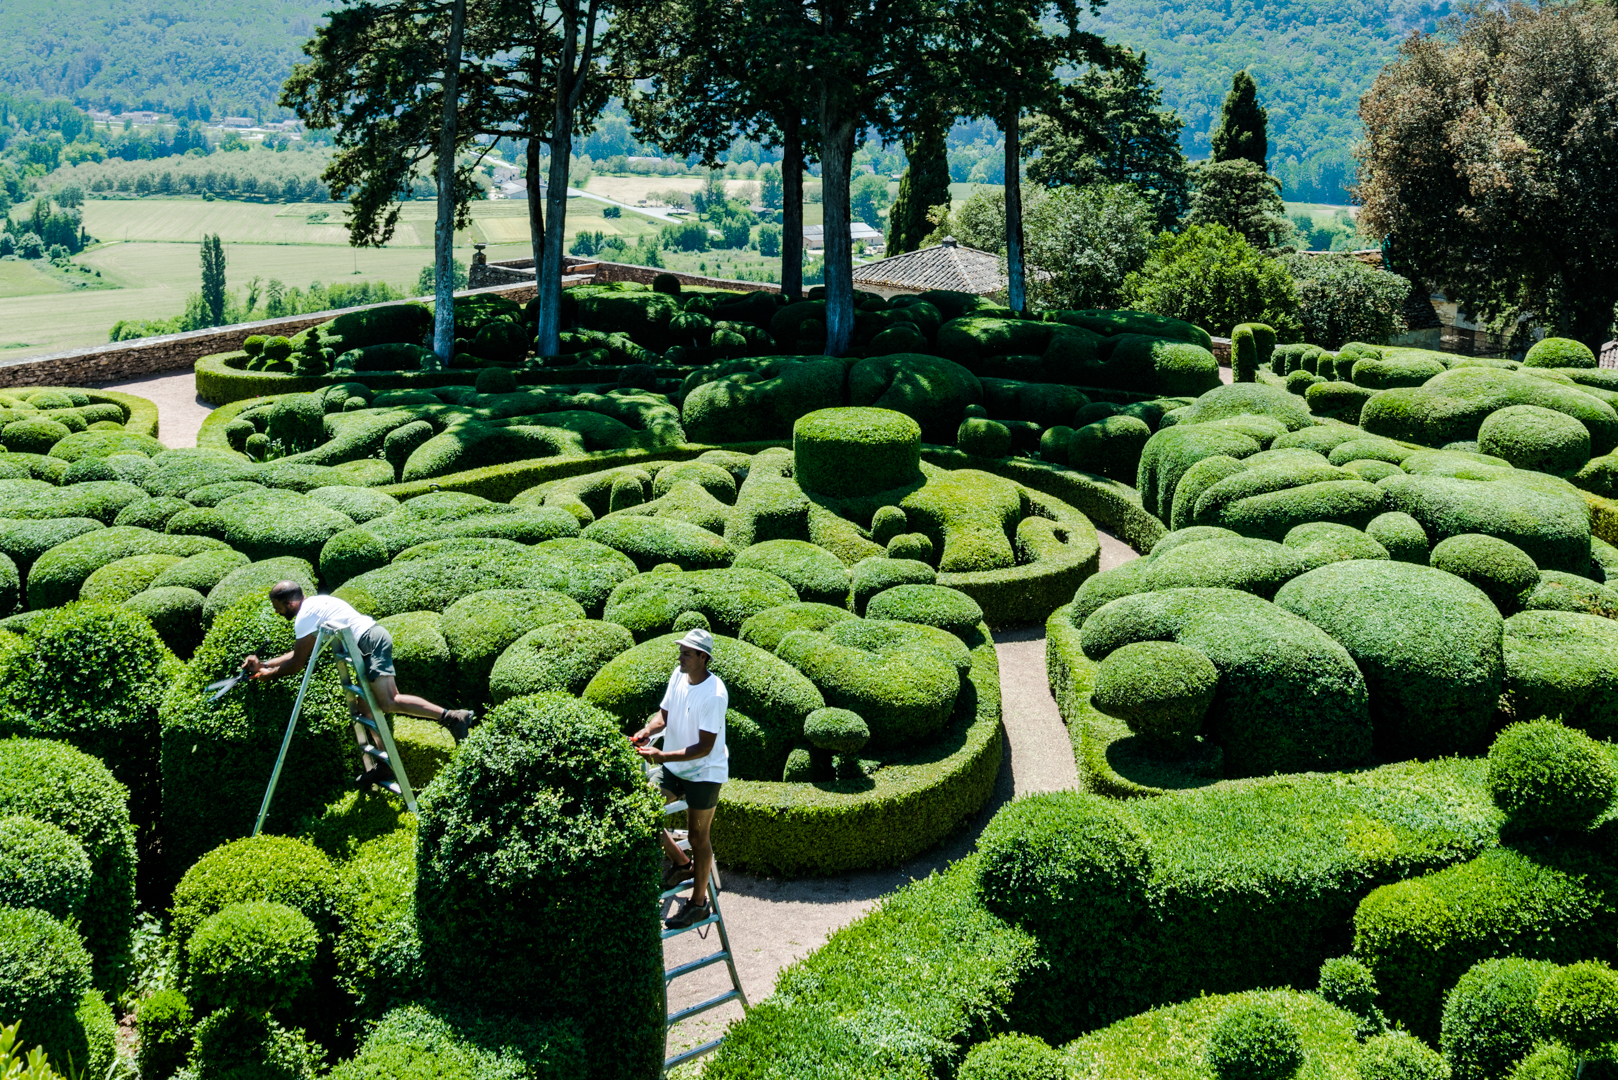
(699, 639)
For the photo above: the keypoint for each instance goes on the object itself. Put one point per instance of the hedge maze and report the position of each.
(1342, 730)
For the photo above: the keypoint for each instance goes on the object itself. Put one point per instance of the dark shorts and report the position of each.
(698, 794)
(376, 649)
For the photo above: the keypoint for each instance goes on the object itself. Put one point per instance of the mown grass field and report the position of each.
(148, 250)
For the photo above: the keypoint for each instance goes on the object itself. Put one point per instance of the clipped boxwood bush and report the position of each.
(856, 451)
(175, 613)
(1013, 1057)
(1490, 1021)
(648, 604)
(1559, 352)
(209, 796)
(45, 987)
(57, 575)
(1546, 776)
(928, 605)
(434, 1042)
(816, 574)
(1563, 664)
(42, 867)
(163, 1023)
(479, 627)
(1533, 437)
(563, 657)
(558, 918)
(252, 955)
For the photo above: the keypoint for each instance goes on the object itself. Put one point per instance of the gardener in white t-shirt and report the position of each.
(308, 615)
(693, 765)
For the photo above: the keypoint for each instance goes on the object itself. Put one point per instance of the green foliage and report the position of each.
(1579, 1006)
(432, 1042)
(837, 730)
(983, 438)
(1490, 1018)
(59, 573)
(1551, 526)
(1428, 645)
(1397, 1056)
(43, 867)
(1340, 299)
(563, 656)
(163, 1022)
(255, 579)
(52, 782)
(1252, 1042)
(266, 524)
(1548, 1061)
(264, 868)
(557, 917)
(1503, 571)
(928, 605)
(814, 573)
(1242, 130)
(1559, 352)
(1452, 406)
(1533, 437)
(1211, 276)
(1160, 689)
(255, 955)
(648, 604)
(44, 973)
(1546, 776)
(1349, 985)
(1239, 195)
(1111, 446)
(234, 1045)
(1418, 936)
(1560, 664)
(1082, 242)
(94, 675)
(479, 627)
(858, 451)
(207, 796)
(1013, 1057)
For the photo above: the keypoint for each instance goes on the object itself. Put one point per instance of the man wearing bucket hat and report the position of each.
(693, 765)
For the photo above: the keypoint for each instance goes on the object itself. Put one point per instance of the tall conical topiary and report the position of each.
(1242, 129)
(924, 185)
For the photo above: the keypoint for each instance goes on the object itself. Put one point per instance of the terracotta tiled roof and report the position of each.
(1609, 355)
(943, 266)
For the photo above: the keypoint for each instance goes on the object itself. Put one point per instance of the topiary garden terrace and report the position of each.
(1342, 731)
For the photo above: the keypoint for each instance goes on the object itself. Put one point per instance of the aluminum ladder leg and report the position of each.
(724, 954)
(355, 683)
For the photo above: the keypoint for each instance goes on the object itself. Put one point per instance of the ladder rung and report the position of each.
(356, 691)
(702, 1007)
(709, 921)
(366, 720)
(676, 807)
(696, 1051)
(393, 786)
(694, 965)
(375, 752)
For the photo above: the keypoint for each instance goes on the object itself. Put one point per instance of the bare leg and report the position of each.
(700, 821)
(670, 848)
(388, 696)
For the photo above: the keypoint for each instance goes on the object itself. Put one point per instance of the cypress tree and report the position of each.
(924, 185)
(213, 279)
(1242, 130)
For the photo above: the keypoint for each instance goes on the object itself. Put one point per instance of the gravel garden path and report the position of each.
(774, 922)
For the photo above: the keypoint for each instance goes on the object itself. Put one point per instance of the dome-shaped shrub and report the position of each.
(42, 867)
(1014, 1057)
(1491, 1019)
(123, 578)
(927, 605)
(837, 730)
(176, 615)
(983, 438)
(1160, 689)
(1253, 1041)
(847, 452)
(1398, 1056)
(563, 656)
(1504, 571)
(164, 1024)
(1559, 352)
(1534, 437)
(1579, 1006)
(253, 955)
(432, 1042)
(479, 627)
(44, 975)
(1544, 775)
(1401, 534)
(278, 869)
(1110, 446)
(558, 914)
(878, 574)
(94, 675)
(1547, 1061)
(235, 1045)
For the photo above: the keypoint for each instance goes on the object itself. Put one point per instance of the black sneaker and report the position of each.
(689, 915)
(460, 722)
(676, 874)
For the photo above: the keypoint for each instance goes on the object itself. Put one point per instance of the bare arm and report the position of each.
(286, 664)
(653, 726)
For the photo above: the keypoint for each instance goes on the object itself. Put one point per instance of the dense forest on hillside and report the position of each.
(1312, 60)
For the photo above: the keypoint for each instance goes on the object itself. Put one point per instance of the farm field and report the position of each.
(149, 254)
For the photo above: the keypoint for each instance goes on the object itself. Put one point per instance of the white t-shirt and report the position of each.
(316, 610)
(694, 709)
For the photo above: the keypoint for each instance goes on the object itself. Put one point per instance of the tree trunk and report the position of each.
(550, 285)
(444, 234)
(792, 204)
(1016, 283)
(836, 158)
(536, 209)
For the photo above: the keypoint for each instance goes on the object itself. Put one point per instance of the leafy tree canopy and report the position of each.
(1083, 243)
(1242, 197)
(1209, 275)
(1242, 130)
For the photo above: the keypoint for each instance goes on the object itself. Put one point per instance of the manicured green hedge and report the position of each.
(479, 627)
(648, 604)
(558, 917)
(432, 1042)
(57, 575)
(1552, 527)
(1490, 1019)
(849, 452)
(1543, 902)
(1533, 437)
(1451, 407)
(45, 988)
(564, 657)
(42, 866)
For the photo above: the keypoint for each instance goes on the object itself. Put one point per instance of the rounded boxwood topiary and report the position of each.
(427, 1041)
(57, 575)
(928, 605)
(1547, 1061)
(1544, 775)
(123, 578)
(496, 380)
(1398, 1056)
(350, 554)
(983, 438)
(202, 571)
(855, 451)
(43, 867)
(1348, 984)
(1491, 1019)
(894, 676)
(1253, 1041)
(563, 656)
(164, 1023)
(1014, 1057)
(648, 605)
(33, 436)
(878, 574)
(175, 613)
(1111, 447)
(151, 513)
(558, 915)
(816, 574)
(44, 975)
(837, 730)
(917, 547)
(94, 675)
(233, 1044)
(1563, 664)
(1532, 437)
(1579, 1006)
(766, 629)
(1402, 536)
(256, 578)
(1160, 689)
(254, 955)
(1559, 352)
(1504, 571)
(481, 626)
(359, 503)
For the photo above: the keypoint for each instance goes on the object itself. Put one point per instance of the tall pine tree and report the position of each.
(924, 185)
(1243, 127)
(213, 279)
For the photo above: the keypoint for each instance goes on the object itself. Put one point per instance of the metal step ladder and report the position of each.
(346, 649)
(717, 919)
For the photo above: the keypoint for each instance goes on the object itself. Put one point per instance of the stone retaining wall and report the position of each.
(508, 271)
